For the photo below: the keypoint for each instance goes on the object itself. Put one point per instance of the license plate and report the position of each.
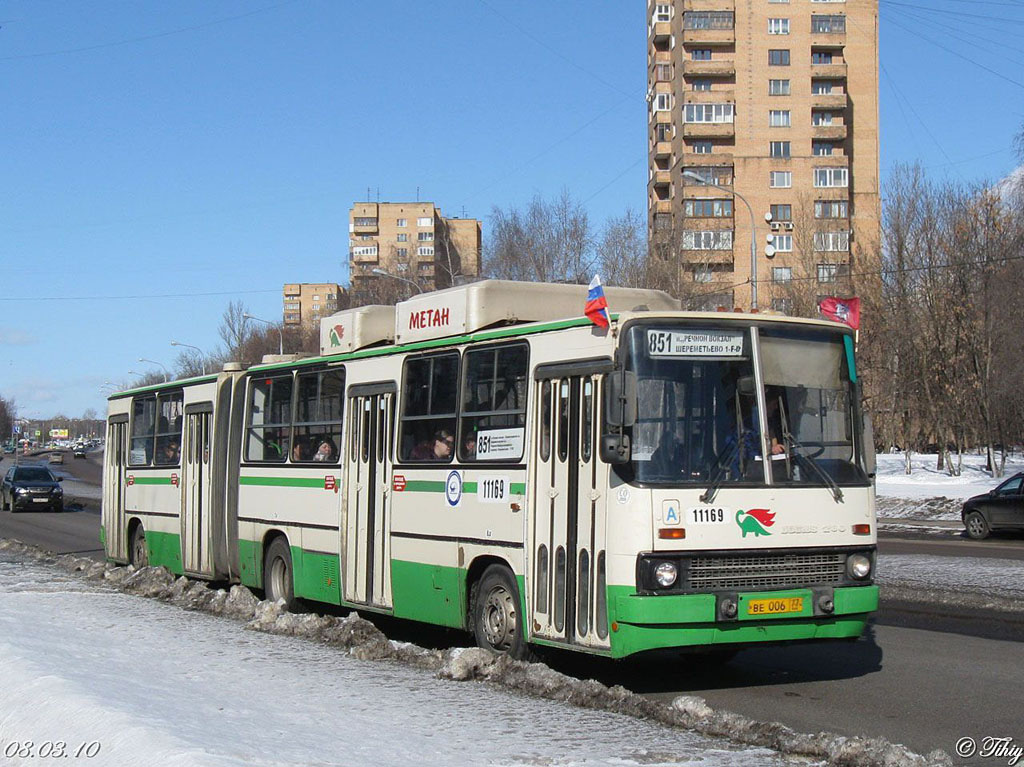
(775, 606)
(40, 500)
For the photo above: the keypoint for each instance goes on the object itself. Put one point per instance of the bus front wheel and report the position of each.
(137, 551)
(277, 574)
(497, 617)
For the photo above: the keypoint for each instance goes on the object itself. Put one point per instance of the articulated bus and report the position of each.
(485, 458)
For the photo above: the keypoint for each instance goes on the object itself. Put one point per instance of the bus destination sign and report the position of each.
(695, 343)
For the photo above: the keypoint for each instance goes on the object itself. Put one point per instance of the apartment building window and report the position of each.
(662, 102)
(821, 118)
(702, 147)
(831, 209)
(821, 87)
(703, 274)
(708, 113)
(778, 26)
(708, 20)
(779, 118)
(696, 208)
(778, 57)
(833, 23)
(700, 54)
(711, 174)
(316, 307)
(828, 272)
(425, 221)
(780, 179)
(662, 12)
(783, 243)
(779, 149)
(403, 238)
(424, 236)
(831, 177)
(782, 212)
(822, 148)
(292, 306)
(402, 252)
(714, 240)
(821, 57)
(782, 305)
(662, 222)
(663, 132)
(365, 250)
(832, 241)
(401, 222)
(663, 72)
(316, 297)
(782, 273)
(425, 250)
(363, 221)
(778, 87)
(701, 84)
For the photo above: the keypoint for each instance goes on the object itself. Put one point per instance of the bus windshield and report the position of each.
(698, 420)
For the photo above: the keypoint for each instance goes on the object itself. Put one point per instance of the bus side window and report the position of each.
(268, 435)
(168, 432)
(545, 421)
(318, 417)
(429, 408)
(492, 422)
(143, 429)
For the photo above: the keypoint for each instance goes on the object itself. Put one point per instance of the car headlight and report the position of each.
(21, 490)
(665, 574)
(58, 491)
(858, 566)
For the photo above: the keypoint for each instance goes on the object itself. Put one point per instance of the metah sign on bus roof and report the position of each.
(478, 305)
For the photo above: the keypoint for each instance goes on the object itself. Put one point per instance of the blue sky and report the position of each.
(159, 159)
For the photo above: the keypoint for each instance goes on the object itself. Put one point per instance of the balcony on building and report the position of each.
(720, 155)
(364, 225)
(710, 27)
(661, 177)
(662, 150)
(836, 70)
(717, 257)
(364, 255)
(713, 68)
(726, 94)
(829, 132)
(828, 101)
(662, 206)
(827, 27)
(661, 32)
(709, 130)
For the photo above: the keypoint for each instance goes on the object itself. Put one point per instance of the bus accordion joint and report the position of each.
(672, 533)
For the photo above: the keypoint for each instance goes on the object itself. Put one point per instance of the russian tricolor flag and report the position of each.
(597, 307)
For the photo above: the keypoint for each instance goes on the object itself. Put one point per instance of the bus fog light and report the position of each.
(728, 608)
(858, 566)
(825, 604)
(665, 574)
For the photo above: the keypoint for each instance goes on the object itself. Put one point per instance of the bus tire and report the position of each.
(138, 553)
(278, 580)
(497, 615)
(976, 525)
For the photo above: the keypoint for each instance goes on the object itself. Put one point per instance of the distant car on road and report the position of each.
(999, 509)
(56, 457)
(80, 451)
(31, 487)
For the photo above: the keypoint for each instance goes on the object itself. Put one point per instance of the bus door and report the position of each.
(196, 536)
(114, 488)
(366, 528)
(569, 511)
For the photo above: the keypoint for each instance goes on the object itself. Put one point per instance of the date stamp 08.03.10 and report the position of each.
(48, 749)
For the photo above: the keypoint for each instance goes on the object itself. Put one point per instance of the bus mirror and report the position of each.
(615, 448)
(620, 398)
(869, 446)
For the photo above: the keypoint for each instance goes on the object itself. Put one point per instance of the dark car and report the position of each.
(31, 487)
(1002, 508)
(79, 451)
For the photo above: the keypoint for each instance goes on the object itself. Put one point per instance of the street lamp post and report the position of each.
(280, 333)
(167, 372)
(753, 232)
(202, 357)
(385, 273)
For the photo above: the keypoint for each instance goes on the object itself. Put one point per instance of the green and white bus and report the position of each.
(485, 458)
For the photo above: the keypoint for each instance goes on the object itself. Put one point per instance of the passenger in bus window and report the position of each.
(299, 451)
(171, 452)
(437, 448)
(469, 447)
(325, 452)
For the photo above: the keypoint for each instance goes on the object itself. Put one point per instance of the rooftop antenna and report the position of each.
(367, 194)
(378, 195)
(417, 194)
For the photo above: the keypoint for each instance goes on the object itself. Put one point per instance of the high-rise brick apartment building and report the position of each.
(774, 101)
(306, 302)
(411, 240)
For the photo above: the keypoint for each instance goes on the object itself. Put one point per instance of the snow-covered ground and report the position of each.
(930, 494)
(155, 684)
(975, 581)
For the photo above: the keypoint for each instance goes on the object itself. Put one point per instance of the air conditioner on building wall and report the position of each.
(776, 226)
(787, 225)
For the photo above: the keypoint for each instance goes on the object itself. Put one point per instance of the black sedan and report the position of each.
(1002, 508)
(31, 487)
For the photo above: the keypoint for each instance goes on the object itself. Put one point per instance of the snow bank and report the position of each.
(360, 639)
(926, 482)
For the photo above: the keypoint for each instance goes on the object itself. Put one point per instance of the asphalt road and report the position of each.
(923, 676)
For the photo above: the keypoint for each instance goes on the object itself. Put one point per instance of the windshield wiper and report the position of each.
(823, 475)
(719, 476)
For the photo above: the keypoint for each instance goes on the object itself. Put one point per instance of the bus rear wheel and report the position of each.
(138, 553)
(497, 617)
(277, 574)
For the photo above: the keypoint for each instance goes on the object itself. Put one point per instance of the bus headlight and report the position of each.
(858, 566)
(665, 574)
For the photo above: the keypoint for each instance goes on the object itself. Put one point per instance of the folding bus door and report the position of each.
(366, 529)
(114, 487)
(196, 535)
(569, 512)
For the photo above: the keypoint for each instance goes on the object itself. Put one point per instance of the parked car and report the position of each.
(31, 487)
(999, 509)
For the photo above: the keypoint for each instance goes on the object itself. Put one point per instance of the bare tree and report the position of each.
(622, 257)
(234, 329)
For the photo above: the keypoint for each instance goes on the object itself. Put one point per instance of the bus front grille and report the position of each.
(763, 572)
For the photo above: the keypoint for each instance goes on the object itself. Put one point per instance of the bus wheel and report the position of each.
(138, 553)
(497, 618)
(277, 573)
(977, 527)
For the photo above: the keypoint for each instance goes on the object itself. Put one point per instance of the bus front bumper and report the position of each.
(642, 623)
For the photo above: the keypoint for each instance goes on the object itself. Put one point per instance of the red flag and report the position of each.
(841, 310)
(596, 307)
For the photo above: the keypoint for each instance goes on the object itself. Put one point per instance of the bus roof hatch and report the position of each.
(357, 328)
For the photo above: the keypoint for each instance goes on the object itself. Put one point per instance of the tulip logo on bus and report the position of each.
(337, 333)
(755, 521)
